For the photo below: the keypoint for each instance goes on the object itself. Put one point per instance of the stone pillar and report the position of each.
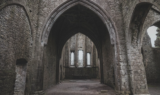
(101, 69)
(137, 72)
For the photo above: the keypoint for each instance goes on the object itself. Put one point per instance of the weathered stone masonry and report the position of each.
(36, 31)
(15, 44)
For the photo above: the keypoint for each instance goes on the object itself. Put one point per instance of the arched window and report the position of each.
(72, 58)
(80, 58)
(152, 31)
(88, 59)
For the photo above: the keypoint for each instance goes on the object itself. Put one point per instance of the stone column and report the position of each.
(137, 72)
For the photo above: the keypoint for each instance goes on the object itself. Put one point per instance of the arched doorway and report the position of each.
(79, 18)
(134, 37)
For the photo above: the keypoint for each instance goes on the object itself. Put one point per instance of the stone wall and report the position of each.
(149, 60)
(15, 44)
(81, 73)
(50, 63)
(108, 62)
(156, 52)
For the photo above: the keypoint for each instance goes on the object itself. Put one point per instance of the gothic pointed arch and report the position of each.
(133, 36)
(88, 4)
(85, 17)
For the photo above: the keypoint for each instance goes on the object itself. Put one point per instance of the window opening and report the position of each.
(88, 58)
(80, 58)
(152, 31)
(72, 58)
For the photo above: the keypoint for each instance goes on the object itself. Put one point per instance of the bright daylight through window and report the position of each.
(152, 31)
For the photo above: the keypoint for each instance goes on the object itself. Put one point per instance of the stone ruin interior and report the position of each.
(79, 47)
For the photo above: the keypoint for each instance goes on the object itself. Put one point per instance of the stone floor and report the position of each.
(90, 87)
(80, 87)
(154, 89)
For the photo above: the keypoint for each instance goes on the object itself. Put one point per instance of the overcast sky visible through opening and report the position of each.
(152, 34)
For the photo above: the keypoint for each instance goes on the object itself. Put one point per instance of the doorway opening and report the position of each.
(76, 34)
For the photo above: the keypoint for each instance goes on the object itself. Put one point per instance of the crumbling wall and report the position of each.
(15, 44)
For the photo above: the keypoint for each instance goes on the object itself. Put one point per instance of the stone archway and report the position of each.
(88, 4)
(150, 59)
(54, 33)
(137, 72)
